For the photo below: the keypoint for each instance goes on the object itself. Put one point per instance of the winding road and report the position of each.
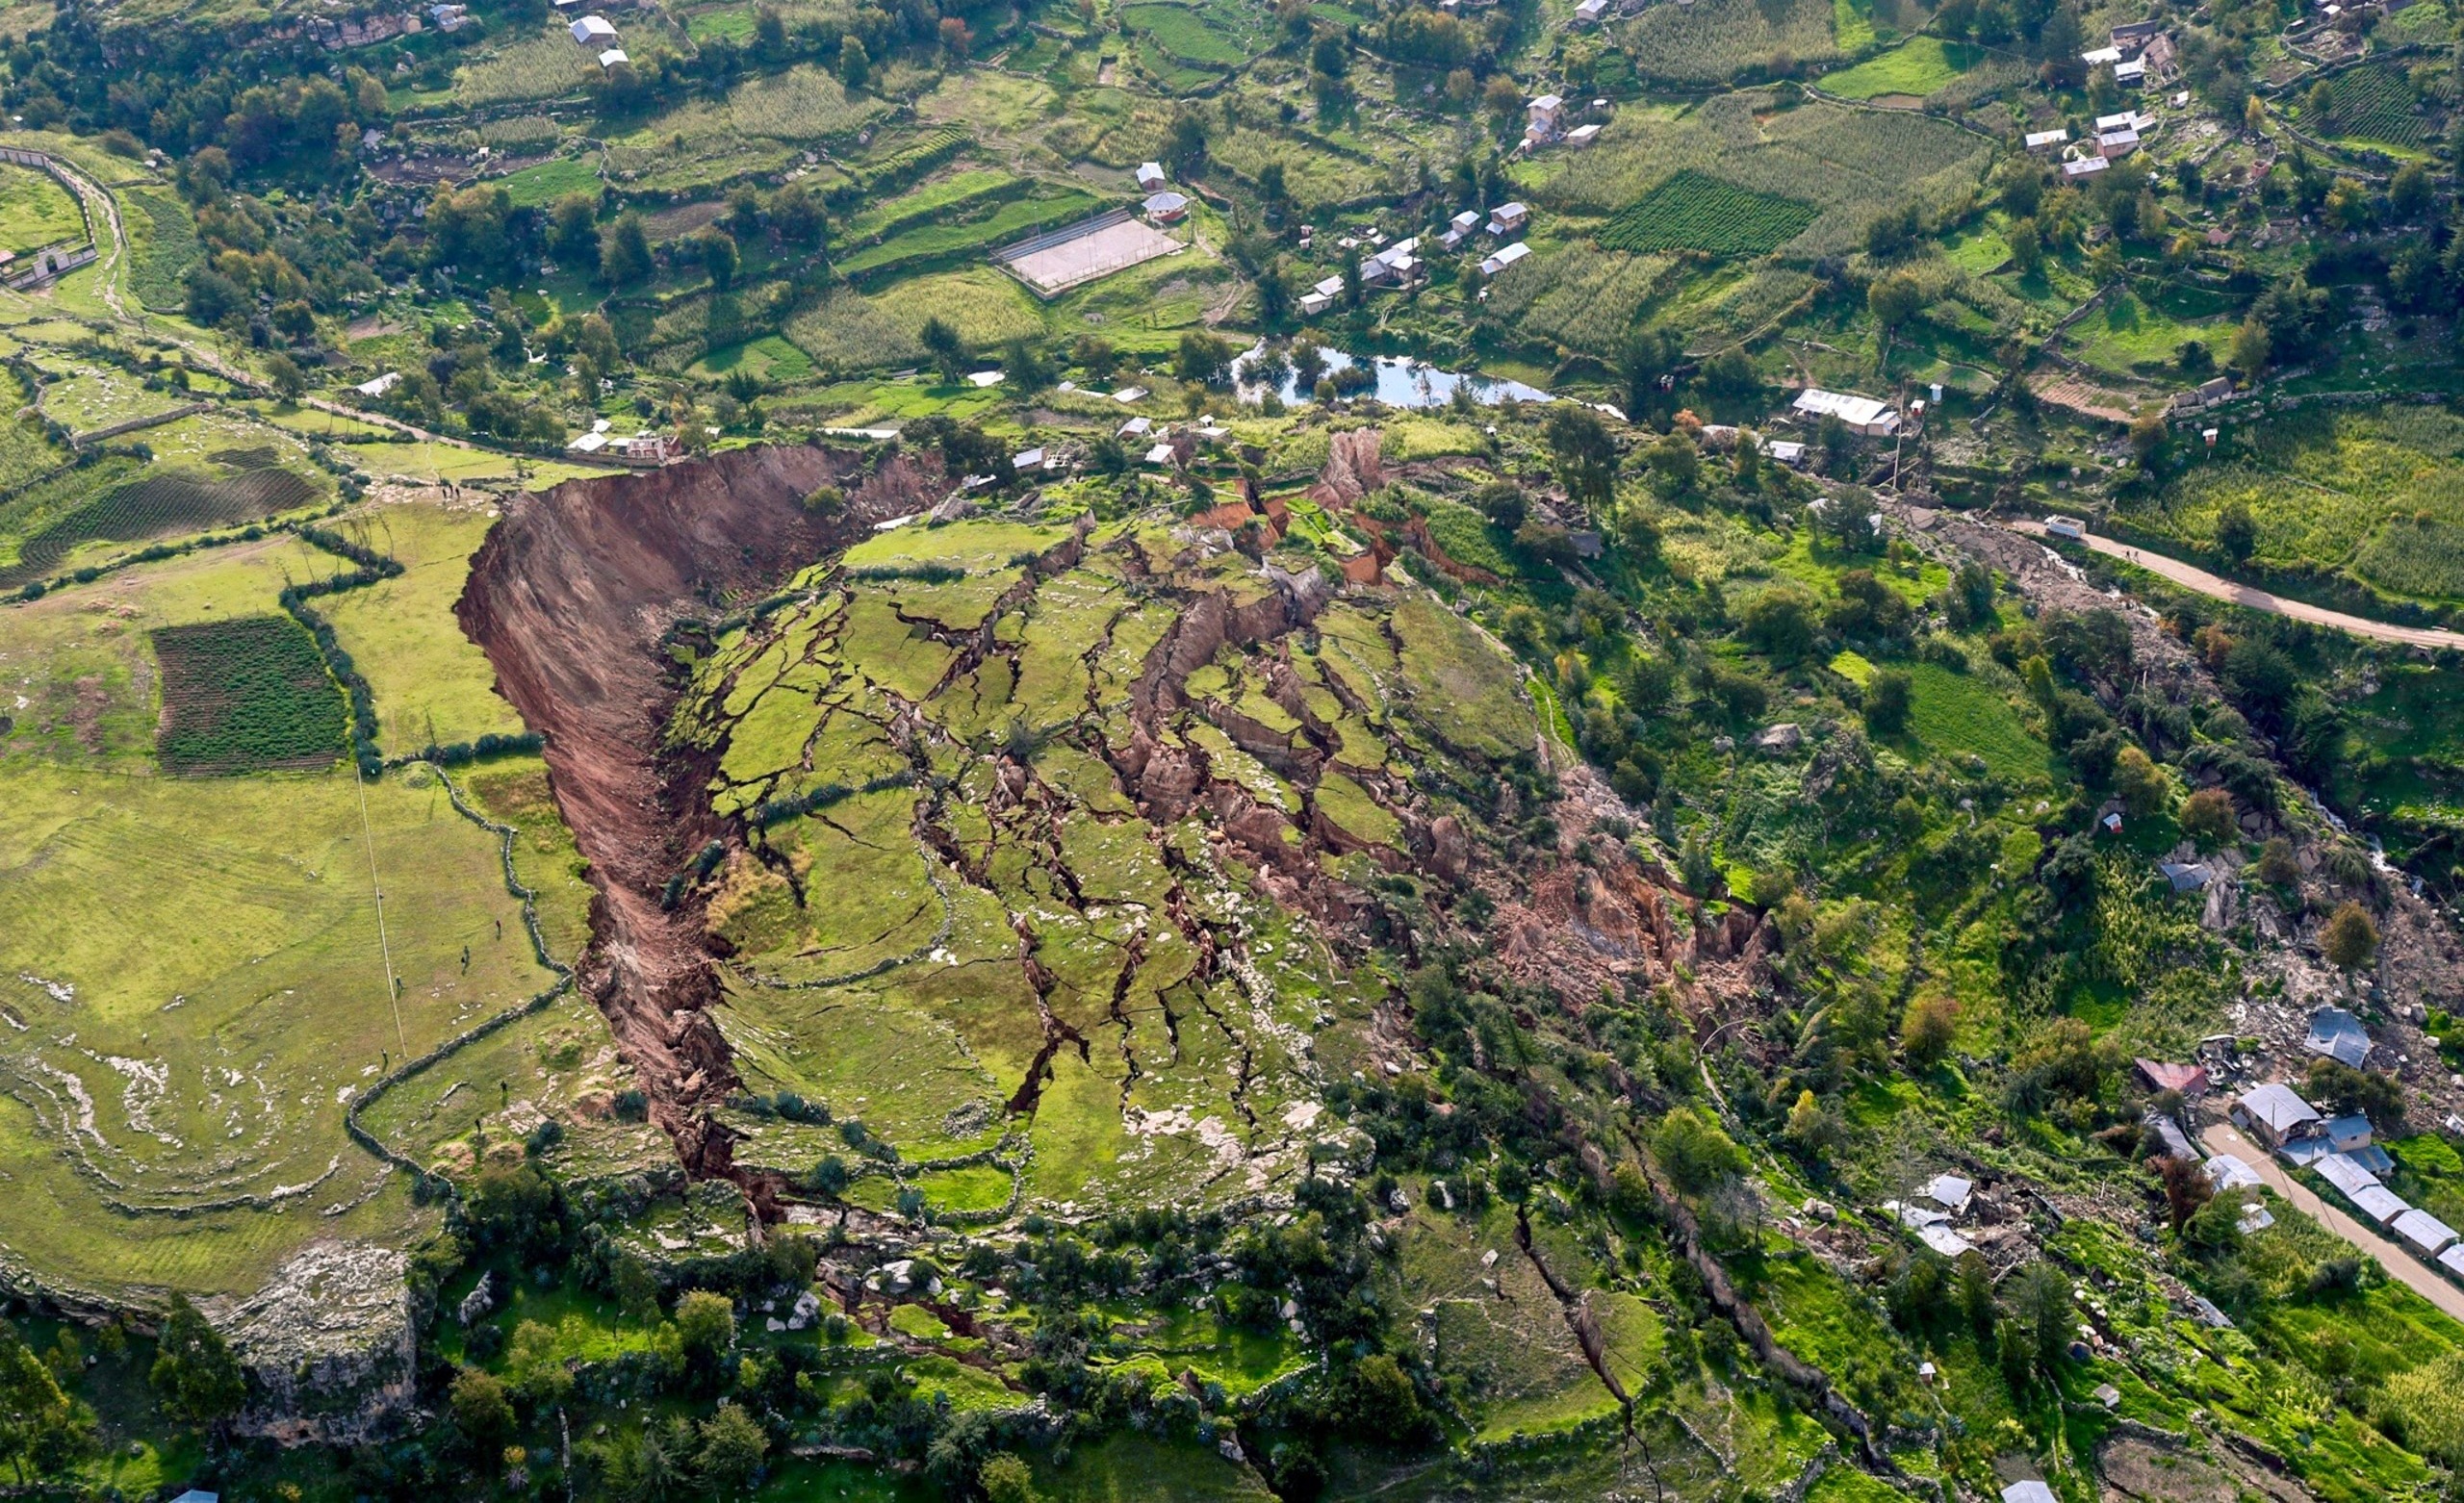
(2252, 597)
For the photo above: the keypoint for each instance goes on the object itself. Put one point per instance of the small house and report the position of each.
(2046, 141)
(587, 442)
(2424, 1232)
(2184, 876)
(1030, 459)
(2132, 35)
(2101, 56)
(1786, 451)
(1459, 229)
(2274, 1115)
(2116, 144)
(1167, 208)
(2338, 1035)
(1949, 1191)
(1582, 136)
(1545, 113)
(2030, 1491)
(2349, 1178)
(2131, 72)
(612, 59)
(2082, 167)
(1129, 394)
(2229, 1172)
(1313, 304)
(1160, 454)
(1862, 415)
(378, 386)
(2190, 1080)
(1150, 177)
(1508, 219)
(2452, 1261)
(594, 31)
(1135, 428)
(641, 448)
(1506, 256)
(1590, 13)
(2177, 1143)
(2111, 823)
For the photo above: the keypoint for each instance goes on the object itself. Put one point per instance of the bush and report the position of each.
(2350, 938)
(2209, 820)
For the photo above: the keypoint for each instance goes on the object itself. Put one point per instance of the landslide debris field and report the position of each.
(936, 857)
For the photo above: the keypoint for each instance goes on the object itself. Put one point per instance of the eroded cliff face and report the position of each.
(570, 598)
(328, 1344)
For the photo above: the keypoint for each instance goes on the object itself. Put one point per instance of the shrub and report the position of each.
(2350, 938)
(2208, 817)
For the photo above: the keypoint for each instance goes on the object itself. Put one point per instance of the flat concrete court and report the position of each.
(1054, 266)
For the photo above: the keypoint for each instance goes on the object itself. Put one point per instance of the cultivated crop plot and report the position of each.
(243, 695)
(1694, 211)
(1052, 264)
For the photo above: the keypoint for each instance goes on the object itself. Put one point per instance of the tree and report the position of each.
(2277, 866)
(482, 1411)
(1584, 452)
(1894, 301)
(855, 64)
(705, 1325)
(1812, 1130)
(2208, 817)
(1675, 464)
(941, 342)
(625, 253)
(573, 234)
(41, 1427)
(1694, 1153)
(956, 39)
(733, 1446)
(2349, 940)
(2040, 1308)
(1204, 358)
(1779, 623)
(1890, 695)
(2408, 192)
(1006, 1479)
(1504, 102)
(1928, 1027)
(2251, 344)
(2237, 533)
(1096, 355)
(1185, 146)
(195, 1375)
(2187, 1188)
(1649, 356)
(284, 372)
(718, 257)
(2143, 787)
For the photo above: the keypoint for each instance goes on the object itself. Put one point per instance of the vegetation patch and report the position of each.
(1916, 67)
(1694, 210)
(241, 696)
(154, 507)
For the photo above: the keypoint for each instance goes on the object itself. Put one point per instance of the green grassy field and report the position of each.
(1958, 715)
(1916, 67)
(548, 181)
(433, 685)
(1694, 211)
(35, 210)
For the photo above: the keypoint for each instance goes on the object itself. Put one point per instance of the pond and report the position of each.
(1400, 381)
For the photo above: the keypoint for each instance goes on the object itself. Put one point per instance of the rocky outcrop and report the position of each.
(328, 1345)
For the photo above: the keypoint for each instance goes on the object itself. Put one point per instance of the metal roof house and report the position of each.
(1861, 413)
(1506, 256)
(2381, 1203)
(2038, 140)
(593, 31)
(2185, 875)
(2274, 1114)
(2082, 167)
(2029, 1491)
(2424, 1232)
(1950, 1191)
(2338, 1035)
(2188, 1079)
(1507, 218)
(1167, 208)
(1462, 227)
(2228, 1172)
(1150, 176)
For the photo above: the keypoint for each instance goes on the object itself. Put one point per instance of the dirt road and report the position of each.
(2257, 600)
(2424, 1280)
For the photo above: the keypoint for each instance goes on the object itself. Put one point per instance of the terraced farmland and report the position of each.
(2377, 103)
(1695, 212)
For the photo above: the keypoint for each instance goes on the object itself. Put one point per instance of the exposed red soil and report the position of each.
(570, 598)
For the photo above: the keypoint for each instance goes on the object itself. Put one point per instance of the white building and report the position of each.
(1591, 12)
(2043, 141)
(1460, 228)
(1861, 413)
(594, 31)
(2084, 166)
(1582, 136)
(613, 59)
(378, 386)
(1150, 176)
(1507, 218)
(1506, 256)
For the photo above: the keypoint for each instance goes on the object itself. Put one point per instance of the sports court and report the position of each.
(1079, 253)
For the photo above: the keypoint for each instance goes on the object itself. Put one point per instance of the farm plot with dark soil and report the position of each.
(242, 695)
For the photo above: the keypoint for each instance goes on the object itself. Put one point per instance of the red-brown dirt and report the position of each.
(570, 598)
